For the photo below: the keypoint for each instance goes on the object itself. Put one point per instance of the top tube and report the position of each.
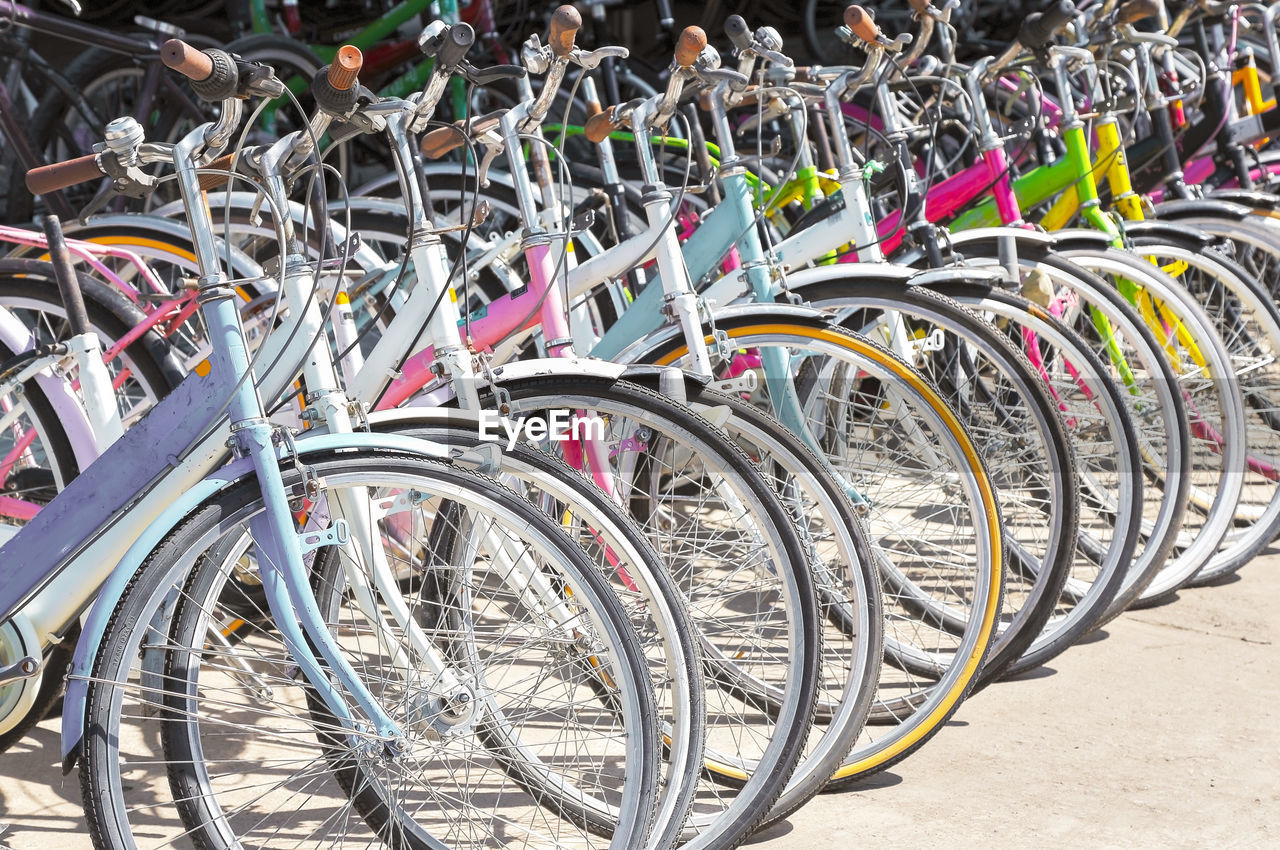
(73, 30)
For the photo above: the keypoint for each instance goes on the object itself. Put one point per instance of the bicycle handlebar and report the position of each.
(690, 45)
(1137, 10)
(209, 182)
(1040, 28)
(213, 73)
(599, 126)
(565, 23)
(455, 46)
(738, 32)
(441, 140)
(61, 175)
(1214, 8)
(346, 67)
(859, 22)
(190, 62)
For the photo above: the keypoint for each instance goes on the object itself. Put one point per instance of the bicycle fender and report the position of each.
(1080, 239)
(1032, 244)
(1210, 207)
(109, 595)
(1151, 232)
(174, 228)
(17, 338)
(542, 367)
(735, 315)
(1245, 197)
(797, 280)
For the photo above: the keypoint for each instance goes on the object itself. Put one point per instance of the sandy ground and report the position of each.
(1166, 729)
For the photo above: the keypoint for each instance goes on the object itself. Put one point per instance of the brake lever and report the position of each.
(491, 153)
(711, 76)
(257, 80)
(774, 57)
(492, 74)
(590, 60)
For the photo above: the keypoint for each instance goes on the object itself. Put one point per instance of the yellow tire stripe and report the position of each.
(953, 424)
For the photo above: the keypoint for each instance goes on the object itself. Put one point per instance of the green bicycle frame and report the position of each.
(406, 84)
(1046, 182)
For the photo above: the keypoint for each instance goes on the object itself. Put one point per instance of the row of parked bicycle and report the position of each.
(620, 472)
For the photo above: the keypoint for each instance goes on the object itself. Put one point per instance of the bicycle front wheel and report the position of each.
(931, 511)
(519, 619)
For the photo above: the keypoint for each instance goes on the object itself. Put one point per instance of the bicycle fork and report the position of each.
(278, 546)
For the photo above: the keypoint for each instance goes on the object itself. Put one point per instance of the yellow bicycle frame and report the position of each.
(1110, 161)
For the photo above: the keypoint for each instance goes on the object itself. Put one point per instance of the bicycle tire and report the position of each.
(1217, 469)
(915, 711)
(29, 289)
(556, 488)
(62, 467)
(1004, 405)
(175, 562)
(747, 773)
(1157, 409)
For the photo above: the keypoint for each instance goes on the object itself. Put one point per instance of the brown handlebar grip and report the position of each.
(859, 22)
(1137, 10)
(692, 40)
(599, 126)
(186, 60)
(565, 23)
(441, 140)
(918, 6)
(60, 175)
(345, 67)
(209, 182)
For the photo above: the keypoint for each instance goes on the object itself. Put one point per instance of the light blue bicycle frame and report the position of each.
(730, 224)
(143, 486)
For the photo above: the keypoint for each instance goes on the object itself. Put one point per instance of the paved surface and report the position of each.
(1166, 730)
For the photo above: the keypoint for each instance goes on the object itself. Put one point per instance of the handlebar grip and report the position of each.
(738, 32)
(441, 140)
(565, 23)
(920, 7)
(209, 182)
(213, 73)
(1040, 28)
(188, 61)
(692, 40)
(457, 41)
(1137, 10)
(346, 67)
(1215, 8)
(60, 175)
(859, 22)
(599, 126)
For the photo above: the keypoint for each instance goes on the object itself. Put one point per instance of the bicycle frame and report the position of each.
(123, 504)
(69, 29)
(88, 441)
